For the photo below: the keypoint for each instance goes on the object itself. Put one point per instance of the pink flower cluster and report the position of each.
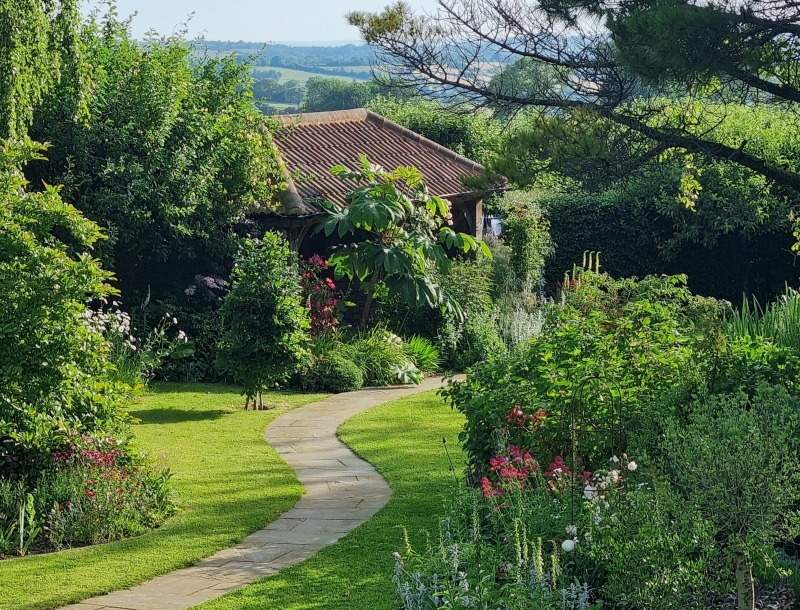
(100, 458)
(510, 472)
(320, 295)
(560, 475)
(88, 450)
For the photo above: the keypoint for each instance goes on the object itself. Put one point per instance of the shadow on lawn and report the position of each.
(176, 416)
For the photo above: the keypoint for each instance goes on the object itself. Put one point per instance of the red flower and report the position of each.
(89, 493)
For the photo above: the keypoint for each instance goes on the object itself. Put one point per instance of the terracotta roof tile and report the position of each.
(313, 143)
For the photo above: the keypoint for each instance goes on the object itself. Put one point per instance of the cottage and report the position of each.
(311, 144)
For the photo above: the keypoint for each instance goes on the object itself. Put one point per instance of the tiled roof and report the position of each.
(313, 143)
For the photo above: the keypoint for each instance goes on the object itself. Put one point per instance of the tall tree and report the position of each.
(173, 153)
(640, 70)
(38, 42)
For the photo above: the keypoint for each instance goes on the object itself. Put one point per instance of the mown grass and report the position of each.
(229, 482)
(403, 439)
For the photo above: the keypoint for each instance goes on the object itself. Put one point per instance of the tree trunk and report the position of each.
(368, 304)
(247, 403)
(745, 587)
(260, 401)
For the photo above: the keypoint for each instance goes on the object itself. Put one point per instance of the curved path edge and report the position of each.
(343, 491)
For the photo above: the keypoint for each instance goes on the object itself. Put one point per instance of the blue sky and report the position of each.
(253, 20)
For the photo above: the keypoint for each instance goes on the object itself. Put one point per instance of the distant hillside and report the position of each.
(341, 55)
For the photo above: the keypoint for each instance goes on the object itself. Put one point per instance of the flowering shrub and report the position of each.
(137, 360)
(319, 294)
(640, 335)
(512, 472)
(92, 492)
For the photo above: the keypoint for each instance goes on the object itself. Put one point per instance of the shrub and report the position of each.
(266, 324)
(502, 545)
(525, 233)
(635, 333)
(198, 315)
(135, 361)
(92, 492)
(54, 370)
(469, 283)
(403, 237)
(320, 295)
(378, 354)
(422, 353)
(476, 340)
(172, 153)
(331, 373)
(734, 459)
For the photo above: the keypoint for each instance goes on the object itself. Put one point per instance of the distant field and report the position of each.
(281, 106)
(288, 74)
(356, 68)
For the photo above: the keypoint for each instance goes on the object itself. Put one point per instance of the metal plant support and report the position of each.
(580, 424)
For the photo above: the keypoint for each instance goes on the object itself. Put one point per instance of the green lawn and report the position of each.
(230, 483)
(403, 439)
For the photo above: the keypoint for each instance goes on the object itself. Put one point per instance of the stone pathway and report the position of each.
(343, 492)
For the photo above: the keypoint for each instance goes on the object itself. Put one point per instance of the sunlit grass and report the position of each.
(229, 481)
(403, 439)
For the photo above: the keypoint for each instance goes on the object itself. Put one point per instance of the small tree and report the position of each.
(407, 234)
(735, 462)
(266, 325)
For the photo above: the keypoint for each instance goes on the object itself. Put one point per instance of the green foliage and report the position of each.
(641, 335)
(378, 354)
(734, 237)
(173, 152)
(39, 45)
(326, 94)
(656, 553)
(406, 236)
(266, 325)
(80, 502)
(198, 318)
(422, 353)
(476, 340)
(526, 234)
(475, 135)
(331, 373)
(779, 321)
(134, 361)
(54, 369)
(734, 460)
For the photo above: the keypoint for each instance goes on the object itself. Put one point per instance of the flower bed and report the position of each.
(557, 515)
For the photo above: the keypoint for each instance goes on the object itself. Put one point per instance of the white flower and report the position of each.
(614, 459)
(174, 320)
(590, 492)
(182, 336)
(632, 466)
(572, 530)
(614, 475)
(396, 556)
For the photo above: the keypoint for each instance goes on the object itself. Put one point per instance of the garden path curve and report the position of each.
(343, 491)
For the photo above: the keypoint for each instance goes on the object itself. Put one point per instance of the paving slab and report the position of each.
(342, 492)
